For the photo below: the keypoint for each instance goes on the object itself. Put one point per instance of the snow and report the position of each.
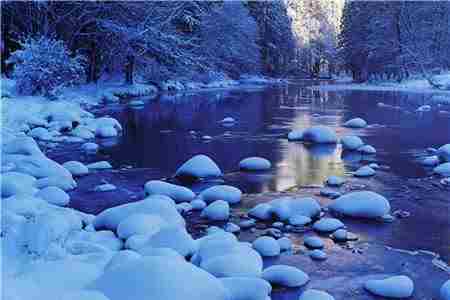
(318, 254)
(299, 220)
(262, 211)
(313, 242)
(22, 145)
(228, 120)
(156, 204)
(76, 168)
(99, 165)
(105, 187)
(295, 135)
(54, 195)
(219, 210)
(443, 169)
(367, 149)
(82, 132)
(198, 204)
(198, 167)
(445, 291)
(335, 181)
(226, 193)
(365, 171)
(320, 135)
(64, 183)
(36, 165)
(17, 183)
(105, 131)
(84, 294)
(285, 244)
(40, 133)
(362, 204)
(241, 288)
(170, 279)
(90, 147)
(430, 161)
(355, 123)
(328, 225)
(122, 257)
(165, 252)
(176, 192)
(351, 142)
(255, 164)
(105, 238)
(267, 246)
(285, 276)
(140, 224)
(393, 287)
(423, 108)
(315, 295)
(444, 153)
(285, 207)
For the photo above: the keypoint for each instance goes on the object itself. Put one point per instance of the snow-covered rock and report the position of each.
(392, 287)
(156, 204)
(156, 277)
(199, 166)
(362, 204)
(285, 276)
(320, 135)
(184, 207)
(106, 131)
(367, 149)
(23, 146)
(198, 204)
(328, 225)
(329, 193)
(318, 254)
(228, 120)
(99, 165)
(423, 108)
(335, 181)
(165, 252)
(36, 165)
(226, 193)
(255, 164)
(76, 168)
(140, 224)
(241, 288)
(176, 192)
(285, 244)
(105, 187)
(262, 211)
(340, 235)
(266, 246)
(82, 132)
(355, 123)
(104, 238)
(299, 220)
(89, 147)
(313, 242)
(14, 183)
(430, 161)
(105, 122)
(295, 135)
(40, 133)
(64, 183)
(285, 207)
(444, 153)
(83, 295)
(445, 291)
(121, 258)
(351, 142)
(365, 171)
(443, 169)
(231, 227)
(219, 210)
(54, 195)
(315, 295)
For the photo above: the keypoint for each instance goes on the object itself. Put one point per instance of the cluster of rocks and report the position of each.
(440, 160)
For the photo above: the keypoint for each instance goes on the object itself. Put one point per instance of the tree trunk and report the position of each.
(129, 68)
(92, 74)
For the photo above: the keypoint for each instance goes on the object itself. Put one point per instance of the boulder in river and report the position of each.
(198, 167)
(355, 123)
(285, 207)
(267, 246)
(284, 275)
(315, 295)
(393, 287)
(328, 225)
(313, 242)
(443, 169)
(176, 192)
(320, 135)
(262, 211)
(367, 149)
(351, 142)
(219, 210)
(335, 181)
(76, 168)
(295, 135)
(445, 291)
(364, 171)
(361, 204)
(254, 164)
(444, 153)
(226, 193)
(247, 288)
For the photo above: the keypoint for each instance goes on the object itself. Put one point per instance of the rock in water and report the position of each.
(14, 183)
(328, 225)
(392, 287)
(217, 211)
(355, 123)
(285, 276)
(367, 149)
(351, 142)
(315, 295)
(262, 211)
(89, 147)
(320, 135)
(140, 224)
(299, 220)
(443, 169)
(241, 288)
(255, 164)
(362, 204)
(100, 165)
(54, 195)
(444, 153)
(163, 278)
(313, 242)
(198, 167)
(295, 135)
(318, 254)
(430, 161)
(335, 181)
(176, 192)
(285, 244)
(286, 207)
(365, 171)
(198, 204)
(226, 193)
(267, 246)
(445, 291)
(76, 168)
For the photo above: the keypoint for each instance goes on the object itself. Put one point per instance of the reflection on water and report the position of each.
(168, 131)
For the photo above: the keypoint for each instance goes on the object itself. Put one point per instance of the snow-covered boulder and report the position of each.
(83, 295)
(267, 246)
(445, 291)
(176, 192)
(285, 244)
(295, 135)
(105, 122)
(198, 204)
(219, 210)
(285, 207)
(355, 123)
(198, 167)
(226, 193)
(231, 227)
(82, 132)
(64, 183)
(54, 195)
(105, 187)
(299, 220)
(315, 295)
(328, 225)
(184, 207)
(320, 135)
(121, 258)
(40, 133)
(140, 224)
(285, 276)
(313, 242)
(444, 153)
(165, 252)
(392, 287)
(105, 132)
(318, 254)
(23, 146)
(156, 277)
(89, 147)
(335, 181)
(367, 149)
(365, 171)
(99, 165)
(362, 204)
(156, 204)
(228, 120)
(37, 166)
(430, 161)
(255, 164)
(351, 142)
(76, 168)
(340, 235)
(105, 238)
(262, 211)
(443, 169)
(17, 183)
(241, 288)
